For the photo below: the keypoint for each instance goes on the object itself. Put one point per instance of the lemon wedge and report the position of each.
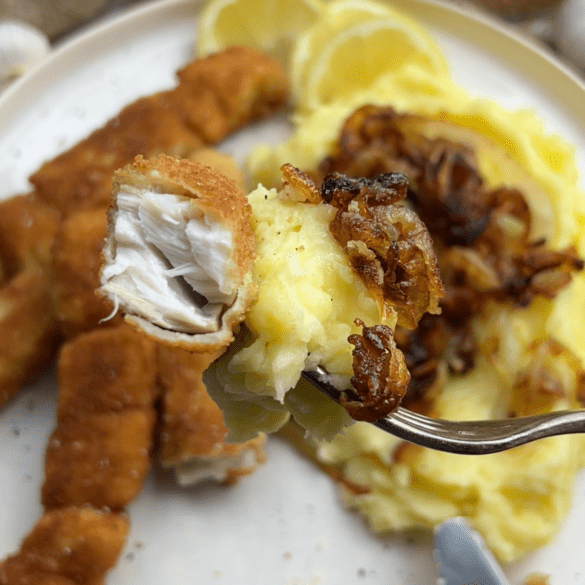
(356, 57)
(270, 26)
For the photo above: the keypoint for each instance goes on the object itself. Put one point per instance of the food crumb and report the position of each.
(217, 573)
(361, 572)
(287, 555)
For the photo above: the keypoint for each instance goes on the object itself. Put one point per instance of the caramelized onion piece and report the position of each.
(380, 374)
(388, 246)
(297, 186)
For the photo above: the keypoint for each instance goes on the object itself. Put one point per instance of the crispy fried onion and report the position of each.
(387, 244)
(482, 236)
(380, 374)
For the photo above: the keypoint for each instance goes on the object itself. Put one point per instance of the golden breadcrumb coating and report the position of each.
(28, 330)
(99, 452)
(227, 90)
(27, 231)
(192, 424)
(71, 546)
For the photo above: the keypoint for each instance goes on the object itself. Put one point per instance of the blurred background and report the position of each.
(560, 24)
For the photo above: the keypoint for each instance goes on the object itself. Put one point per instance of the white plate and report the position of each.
(284, 524)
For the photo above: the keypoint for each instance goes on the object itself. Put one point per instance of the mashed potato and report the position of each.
(308, 299)
(516, 499)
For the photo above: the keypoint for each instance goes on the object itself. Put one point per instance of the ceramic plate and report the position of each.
(284, 524)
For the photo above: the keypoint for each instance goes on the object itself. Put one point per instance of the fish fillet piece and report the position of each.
(28, 227)
(179, 253)
(227, 90)
(28, 329)
(193, 435)
(99, 452)
(76, 269)
(71, 546)
(215, 96)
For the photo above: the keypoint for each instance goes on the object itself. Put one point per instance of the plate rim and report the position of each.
(492, 27)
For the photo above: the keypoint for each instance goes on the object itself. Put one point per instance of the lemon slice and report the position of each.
(337, 16)
(355, 57)
(270, 26)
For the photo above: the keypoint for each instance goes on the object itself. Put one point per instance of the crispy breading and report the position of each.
(216, 95)
(76, 267)
(99, 452)
(27, 231)
(28, 330)
(226, 90)
(192, 424)
(71, 546)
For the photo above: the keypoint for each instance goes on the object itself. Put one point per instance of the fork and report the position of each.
(479, 437)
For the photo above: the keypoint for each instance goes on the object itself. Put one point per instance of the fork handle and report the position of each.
(484, 436)
(480, 437)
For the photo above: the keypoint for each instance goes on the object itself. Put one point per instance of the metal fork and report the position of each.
(470, 437)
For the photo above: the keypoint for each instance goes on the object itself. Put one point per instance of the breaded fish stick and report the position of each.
(227, 90)
(72, 546)
(78, 258)
(216, 95)
(28, 330)
(193, 434)
(179, 253)
(99, 453)
(27, 231)
(76, 268)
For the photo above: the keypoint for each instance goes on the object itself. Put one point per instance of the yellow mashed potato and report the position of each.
(308, 299)
(516, 499)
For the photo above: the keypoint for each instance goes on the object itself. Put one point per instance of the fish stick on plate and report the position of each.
(70, 546)
(28, 227)
(28, 325)
(215, 96)
(81, 177)
(99, 452)
(28, 330)
(179, 253)
(227, 90)
(193, 435)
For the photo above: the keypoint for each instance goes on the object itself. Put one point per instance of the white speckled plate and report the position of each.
(283, 525)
